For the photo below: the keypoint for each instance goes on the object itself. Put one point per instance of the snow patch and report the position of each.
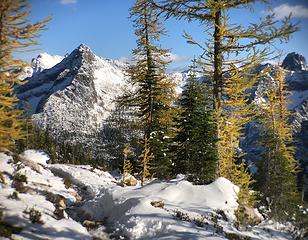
(296, 98)
(41, 184)
(45, 61)
(129, 210)
(35, 156)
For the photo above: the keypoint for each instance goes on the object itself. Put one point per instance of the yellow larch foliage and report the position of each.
(145, 160)
(16, 34)
(127, 165)
(277, 180)
(234, 114)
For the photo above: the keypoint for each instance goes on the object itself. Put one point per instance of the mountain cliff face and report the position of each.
(294, 62)
(74, 97)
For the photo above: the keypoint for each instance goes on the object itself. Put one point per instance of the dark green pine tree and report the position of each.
(152, 93)
(196, 153)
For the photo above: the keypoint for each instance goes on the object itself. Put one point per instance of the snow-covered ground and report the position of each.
(40, 184)
(173, 209)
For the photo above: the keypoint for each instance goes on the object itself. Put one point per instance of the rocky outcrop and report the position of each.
(294, 62)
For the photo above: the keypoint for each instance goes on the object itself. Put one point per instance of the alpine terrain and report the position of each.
(73, 98)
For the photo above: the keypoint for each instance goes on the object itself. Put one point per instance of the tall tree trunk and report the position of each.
(218, 61)
(217, 78)
(149, 66)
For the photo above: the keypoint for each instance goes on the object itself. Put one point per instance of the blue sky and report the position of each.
(104, 26)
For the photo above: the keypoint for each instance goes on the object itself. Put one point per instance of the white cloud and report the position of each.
(174, 58)
(284, 10)
(177, 59)
(67, 2)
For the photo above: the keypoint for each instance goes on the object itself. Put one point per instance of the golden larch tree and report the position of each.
(278, 167)
(16, 34)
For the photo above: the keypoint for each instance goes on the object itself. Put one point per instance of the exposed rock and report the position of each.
(297, 81)
(89, 224)
(60, 203)
(41, 185)
(294, 62)
(158, 204)
(31, 190)
(56, 199)
(130, 181)
(77, 196)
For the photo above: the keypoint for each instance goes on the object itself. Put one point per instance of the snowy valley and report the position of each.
(192, 128)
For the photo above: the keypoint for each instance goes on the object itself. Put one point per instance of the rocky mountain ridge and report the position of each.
(294, 62)
(76, 95)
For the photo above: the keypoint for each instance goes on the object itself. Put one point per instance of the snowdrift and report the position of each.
(130, 208)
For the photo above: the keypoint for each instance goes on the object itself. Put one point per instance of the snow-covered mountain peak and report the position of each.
(76, 95)
(294, 62)
(84, 52)
(45, 61)
(84, 48)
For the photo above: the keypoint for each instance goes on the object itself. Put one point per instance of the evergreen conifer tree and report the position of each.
(16, 34)
(229, 57)
(196, 152)
(152, 91)
(277, 172)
